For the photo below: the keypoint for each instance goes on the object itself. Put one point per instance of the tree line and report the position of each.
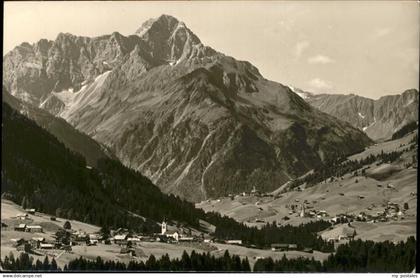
(335, 169)
(355, 256)
(304, 235)
(406, 129)
(188, 262)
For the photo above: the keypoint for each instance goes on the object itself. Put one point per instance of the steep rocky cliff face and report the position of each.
(379, 119)
(198, 123)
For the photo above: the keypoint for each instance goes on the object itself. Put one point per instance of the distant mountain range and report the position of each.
(198, 123)
(379, 119)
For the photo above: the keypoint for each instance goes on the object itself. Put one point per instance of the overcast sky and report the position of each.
(366, 48)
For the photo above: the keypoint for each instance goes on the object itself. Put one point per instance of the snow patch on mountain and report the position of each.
(409, 102)
(299, 92)
(33, 65)
(66, 96)
(145, 27)
(87, 95)
(366, 127)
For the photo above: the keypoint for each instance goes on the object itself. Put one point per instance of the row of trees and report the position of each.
(26, 263)
(304, 235)
(188, 262)
(405, 130)
(355, 256)
(340, 167)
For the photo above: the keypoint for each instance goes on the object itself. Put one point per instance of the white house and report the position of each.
(175, 236)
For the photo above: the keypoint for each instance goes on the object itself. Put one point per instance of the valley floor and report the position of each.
(9, 210)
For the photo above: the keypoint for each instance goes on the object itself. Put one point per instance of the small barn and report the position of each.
(30, 211)
(186, 238)
(20, 227)
(234, 241)
(17, 241)
(292, 246)
(34, 229)
(46, 246)
(279, 246)
(120, 239)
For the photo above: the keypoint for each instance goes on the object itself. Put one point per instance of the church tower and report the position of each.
(302, 212)
(163, 228)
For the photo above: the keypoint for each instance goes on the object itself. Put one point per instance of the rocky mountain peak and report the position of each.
(168, 38)
(197, 122)
(165, 23)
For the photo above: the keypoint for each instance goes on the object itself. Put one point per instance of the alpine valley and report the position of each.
(379, 119)
(155, 152)
(198, 123)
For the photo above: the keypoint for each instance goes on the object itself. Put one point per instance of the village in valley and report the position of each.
(66, 237)
(378, 202)
(38, 239)
(360, 207)
(43, 235)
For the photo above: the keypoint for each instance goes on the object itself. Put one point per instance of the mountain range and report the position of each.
(196, 122)
(379, 119)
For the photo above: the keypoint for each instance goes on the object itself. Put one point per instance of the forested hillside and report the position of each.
(39, 169)
(42, 173)
(356, 256)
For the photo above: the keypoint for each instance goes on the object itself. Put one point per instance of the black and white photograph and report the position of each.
(209, 137)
